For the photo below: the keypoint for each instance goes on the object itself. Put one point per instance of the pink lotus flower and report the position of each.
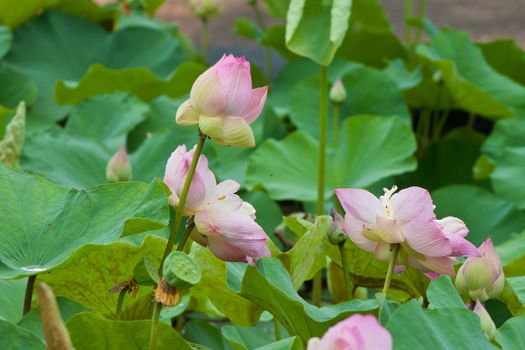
(406, 218)
(224, 104)
(224, 222)
(358, 332)
(119, 167)
(481, 278)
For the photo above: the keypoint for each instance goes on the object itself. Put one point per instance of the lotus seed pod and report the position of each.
(11, 144)
(180, 271)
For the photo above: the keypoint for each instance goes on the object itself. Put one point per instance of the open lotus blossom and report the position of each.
(224, 104)
(223, 221)
(481, 278)
(357, 332)
(487, 324)
(406, 218)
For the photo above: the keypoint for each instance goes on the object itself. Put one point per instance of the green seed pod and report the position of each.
(180, 271)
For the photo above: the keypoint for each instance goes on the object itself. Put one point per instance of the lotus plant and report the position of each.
(223, 221)
(482, 277)
(223, 103)
(487, 324)
(361, 332)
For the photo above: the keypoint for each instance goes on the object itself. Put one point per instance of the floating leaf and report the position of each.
(305, 37)
(510, 335)
(44, 223)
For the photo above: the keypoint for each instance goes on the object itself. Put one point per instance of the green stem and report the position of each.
(336, 124)
(277, 329)
(409, 13)
(393, 258)
(157, 307)
(323, 121)
(29, 293)
(182, 202)
(422, 11)
(344, 264)
(267, 50)
(204, 39)
(120, 301)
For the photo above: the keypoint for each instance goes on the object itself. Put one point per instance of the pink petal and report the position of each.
(255, 105)
(427, 238)
(236, 82)
(413, 203)
(227, 188)
(186, 114)
(372, 333)
(207, 95)
(385, 230)
(453, 226)
(443, 265)
(354, 229)
(489, 254)
(360, 204)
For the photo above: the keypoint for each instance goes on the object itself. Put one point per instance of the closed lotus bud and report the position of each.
(11, 144)
(335, 234)
(205, 9)
(338, 92)
(481, 278)
(223, 103)
(56, 333)
(119, 167)
(180, 271)
(487, 325)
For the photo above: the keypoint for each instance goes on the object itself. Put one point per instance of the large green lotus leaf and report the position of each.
(512, 255)
(95, 269)
(403, 77)
(32, 321)
(91, 331)
(474, 85)
(107, 119)
(514, 295)
(483, 213)
(15, 87)
(68, 160)
(138, 80)
(361, 84)
(14, 12)
(505, 56)
(45, 223)
(277, 8)
(316, 29)
(87, 9)
(507, 178)
(213, 286)
(445, 328)
(511, 335)
(17, 338)
(448, 161)
(12, 299)
(508, 133)
(441, 293)
(369, 27)
(6, 37)
(270, 287)
(244, 338)
(69, 45)
(372, 148)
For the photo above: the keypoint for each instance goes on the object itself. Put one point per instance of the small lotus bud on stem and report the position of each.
(205, 9)
(338, 92)
(336, 236)
(55, 331)
(119, 167)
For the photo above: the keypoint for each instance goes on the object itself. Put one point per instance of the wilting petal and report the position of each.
(186, 114)
(360, 204)
(236, 82)
(207, 96)
(413, 203)
(427, 238)
(229, 131)
(255, 105)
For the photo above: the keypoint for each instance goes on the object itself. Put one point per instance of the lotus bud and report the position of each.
(205, 9)
(119, 167)
(55, 331)
(181, 271)
(487, 325)
(11, 144)
(335, 234)
(338, 92)
(481, 278)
